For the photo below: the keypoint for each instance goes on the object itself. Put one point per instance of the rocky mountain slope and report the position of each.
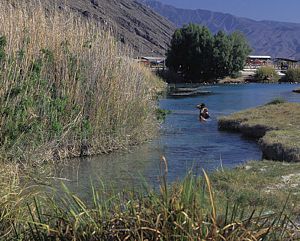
(277, 39)
(132, 22)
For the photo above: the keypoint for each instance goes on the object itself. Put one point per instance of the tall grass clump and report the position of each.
(66, 87)
(266, 74)
(186, 211)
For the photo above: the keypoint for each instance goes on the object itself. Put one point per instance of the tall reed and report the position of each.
(186, 211)
(66, 87)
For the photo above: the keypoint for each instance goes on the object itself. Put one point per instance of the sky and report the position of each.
(278, 10)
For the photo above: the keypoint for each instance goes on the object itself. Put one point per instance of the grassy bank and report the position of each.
(276, 125)
(260, 185)
(66, 88)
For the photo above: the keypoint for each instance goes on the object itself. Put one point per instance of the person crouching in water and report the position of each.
(203, 114)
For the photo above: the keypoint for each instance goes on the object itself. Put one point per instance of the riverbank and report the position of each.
(67, 89)
(277, 126)
(261, 188)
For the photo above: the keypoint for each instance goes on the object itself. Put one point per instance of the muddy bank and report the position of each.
(276, 127)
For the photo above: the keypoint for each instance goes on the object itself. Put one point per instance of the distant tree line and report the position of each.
(200, 56)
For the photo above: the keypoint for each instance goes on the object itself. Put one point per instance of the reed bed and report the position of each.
(185, 211)
(66, 88)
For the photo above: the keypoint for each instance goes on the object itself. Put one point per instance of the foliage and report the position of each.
(222, 55)
(266, 74)
(2, 47)
(189, 210)
(199, 55)
(66, 87)
(236, 75)
(292, 75)
(161, 114)
(276, 101)
(190, 52)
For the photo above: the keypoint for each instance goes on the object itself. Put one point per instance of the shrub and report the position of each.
(292, 75)
(276, 101)
(266, 74)
(236, 75)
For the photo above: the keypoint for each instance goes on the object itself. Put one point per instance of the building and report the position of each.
(257, 61)
(153, 62)
(285, 63)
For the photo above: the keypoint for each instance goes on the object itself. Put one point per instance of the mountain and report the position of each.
(278, 39)
(132, 23)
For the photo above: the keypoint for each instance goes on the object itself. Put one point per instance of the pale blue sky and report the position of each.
(279, 10)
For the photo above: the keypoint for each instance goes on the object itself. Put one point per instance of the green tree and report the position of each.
(240, 51)
(190, 51)
(222, 55)
(199, 55)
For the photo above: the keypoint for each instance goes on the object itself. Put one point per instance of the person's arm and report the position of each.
(202, 118)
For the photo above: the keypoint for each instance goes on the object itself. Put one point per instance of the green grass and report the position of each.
(276, 101)
(188, 210)
(277, 124)
(261, 185)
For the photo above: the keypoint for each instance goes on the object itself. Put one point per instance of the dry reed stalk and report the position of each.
(65, 81)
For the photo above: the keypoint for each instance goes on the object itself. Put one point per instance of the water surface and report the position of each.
(186, 143)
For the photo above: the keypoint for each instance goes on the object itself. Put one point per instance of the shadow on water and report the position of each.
(186, 143)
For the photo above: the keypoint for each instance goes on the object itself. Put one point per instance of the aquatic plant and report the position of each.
(161, 114)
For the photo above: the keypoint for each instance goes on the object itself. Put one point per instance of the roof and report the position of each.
(259, 57)
(287, 59)
(153, 58)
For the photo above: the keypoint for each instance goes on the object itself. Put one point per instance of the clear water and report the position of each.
(186, 143)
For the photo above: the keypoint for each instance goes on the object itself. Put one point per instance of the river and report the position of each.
(187, 144)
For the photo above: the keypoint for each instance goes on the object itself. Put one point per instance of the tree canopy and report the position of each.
(200, 55)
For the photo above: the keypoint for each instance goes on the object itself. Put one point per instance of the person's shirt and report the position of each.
(204, 113)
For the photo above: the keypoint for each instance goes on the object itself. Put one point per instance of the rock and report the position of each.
(145, 31)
